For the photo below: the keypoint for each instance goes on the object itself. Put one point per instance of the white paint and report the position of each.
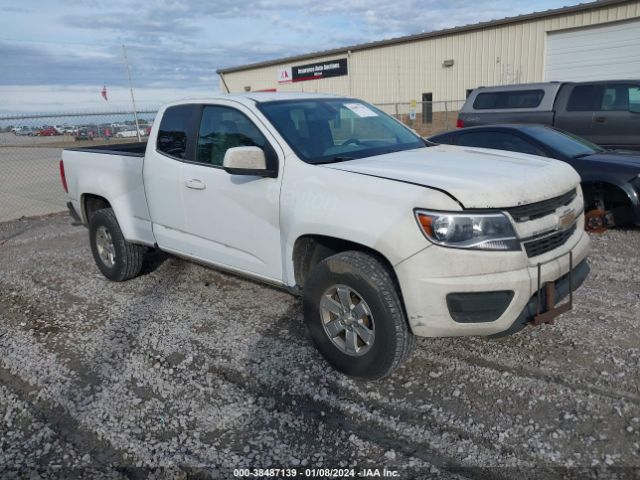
(361, 110)
(250, 224)
(604, 52)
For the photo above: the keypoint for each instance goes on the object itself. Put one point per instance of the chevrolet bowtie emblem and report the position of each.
(566, 219)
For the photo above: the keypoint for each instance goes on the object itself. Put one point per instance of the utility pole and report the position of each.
(133, 101)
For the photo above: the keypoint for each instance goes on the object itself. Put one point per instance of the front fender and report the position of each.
(374, 212)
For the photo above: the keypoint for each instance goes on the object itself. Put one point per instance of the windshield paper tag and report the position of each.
(361, 110)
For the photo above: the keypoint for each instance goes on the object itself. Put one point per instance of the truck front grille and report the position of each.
(525, 213)
(546, 243)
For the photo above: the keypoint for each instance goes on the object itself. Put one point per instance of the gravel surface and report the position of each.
(186, 372)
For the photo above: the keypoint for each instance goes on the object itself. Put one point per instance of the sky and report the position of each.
(55, 56)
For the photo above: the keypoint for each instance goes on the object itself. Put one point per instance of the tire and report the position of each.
(118, 260)
(362, 277)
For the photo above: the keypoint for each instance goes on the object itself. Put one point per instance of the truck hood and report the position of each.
(476, 177)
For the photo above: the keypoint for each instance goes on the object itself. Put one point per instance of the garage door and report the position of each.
(604, 52)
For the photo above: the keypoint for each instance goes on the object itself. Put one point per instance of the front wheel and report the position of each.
(354, 314)
(116, 258)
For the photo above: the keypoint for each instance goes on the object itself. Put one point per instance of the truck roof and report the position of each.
(257, 97)
(521, 86)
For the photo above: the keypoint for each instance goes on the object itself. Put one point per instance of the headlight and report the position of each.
(482, 231)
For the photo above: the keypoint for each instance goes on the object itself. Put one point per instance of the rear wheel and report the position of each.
(116, 258)
(354, 314)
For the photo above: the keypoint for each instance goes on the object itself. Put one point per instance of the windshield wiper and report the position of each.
(335, 160)
(582, 155)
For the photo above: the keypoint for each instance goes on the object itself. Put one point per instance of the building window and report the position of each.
(427, 108)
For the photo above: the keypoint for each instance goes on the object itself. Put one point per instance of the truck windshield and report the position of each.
(333, 130)
(563, 142)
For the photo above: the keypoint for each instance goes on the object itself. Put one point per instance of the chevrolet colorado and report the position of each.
(384, 236)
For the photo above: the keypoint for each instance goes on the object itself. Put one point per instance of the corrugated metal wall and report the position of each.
(497, 55)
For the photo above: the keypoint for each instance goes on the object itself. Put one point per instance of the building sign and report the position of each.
(313, 71)
(316, 71)
(284, 75)
(412, 110)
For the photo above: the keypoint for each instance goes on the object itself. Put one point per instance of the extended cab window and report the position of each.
(498, 141)
(509, 99)
(223, 128)
(175, 135)
(585, 98)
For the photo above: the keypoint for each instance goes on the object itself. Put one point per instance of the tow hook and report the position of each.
(550, 310)
(598, 220)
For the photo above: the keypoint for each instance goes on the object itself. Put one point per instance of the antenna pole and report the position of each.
(133, 100)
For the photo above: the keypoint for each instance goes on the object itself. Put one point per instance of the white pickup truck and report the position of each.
(384, 235)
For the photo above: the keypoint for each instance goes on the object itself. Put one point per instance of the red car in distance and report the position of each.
(48, 132)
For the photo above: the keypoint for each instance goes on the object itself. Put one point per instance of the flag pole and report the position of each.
(133, 101)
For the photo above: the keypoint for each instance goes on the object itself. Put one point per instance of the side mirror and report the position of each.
(247, 161)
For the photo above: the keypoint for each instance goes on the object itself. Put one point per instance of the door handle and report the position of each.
(195, 184)
(601, 119)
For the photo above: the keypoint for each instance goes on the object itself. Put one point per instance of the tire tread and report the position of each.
(377, 273)
(132, 256)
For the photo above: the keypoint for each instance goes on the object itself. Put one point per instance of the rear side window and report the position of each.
(176, 132)
(585, 98)
(498, 141)
(506, 100)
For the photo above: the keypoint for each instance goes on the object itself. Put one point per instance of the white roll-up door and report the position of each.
(604, 52)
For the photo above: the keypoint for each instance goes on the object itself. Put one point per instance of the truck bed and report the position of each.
(115, 174)
(130, 149)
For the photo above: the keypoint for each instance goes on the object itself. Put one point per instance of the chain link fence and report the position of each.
(426, 118)
(31, 147)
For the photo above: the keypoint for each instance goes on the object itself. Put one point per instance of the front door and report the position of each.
(617, 122)
(233, 220)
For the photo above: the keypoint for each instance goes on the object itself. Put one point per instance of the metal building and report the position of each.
(596, 40)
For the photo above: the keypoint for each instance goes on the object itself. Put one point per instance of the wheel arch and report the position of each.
(310, 249)
(90, 204)
(615, 196)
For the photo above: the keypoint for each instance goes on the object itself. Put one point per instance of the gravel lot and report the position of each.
(186, 372)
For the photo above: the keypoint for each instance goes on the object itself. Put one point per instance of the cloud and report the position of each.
(178, 44)
(87, 98)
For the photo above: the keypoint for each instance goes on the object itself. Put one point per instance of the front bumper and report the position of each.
(428, 278)
(565, 284)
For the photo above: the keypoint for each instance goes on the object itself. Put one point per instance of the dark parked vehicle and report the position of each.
(610, 179)
(606, 113)
(83, 134)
